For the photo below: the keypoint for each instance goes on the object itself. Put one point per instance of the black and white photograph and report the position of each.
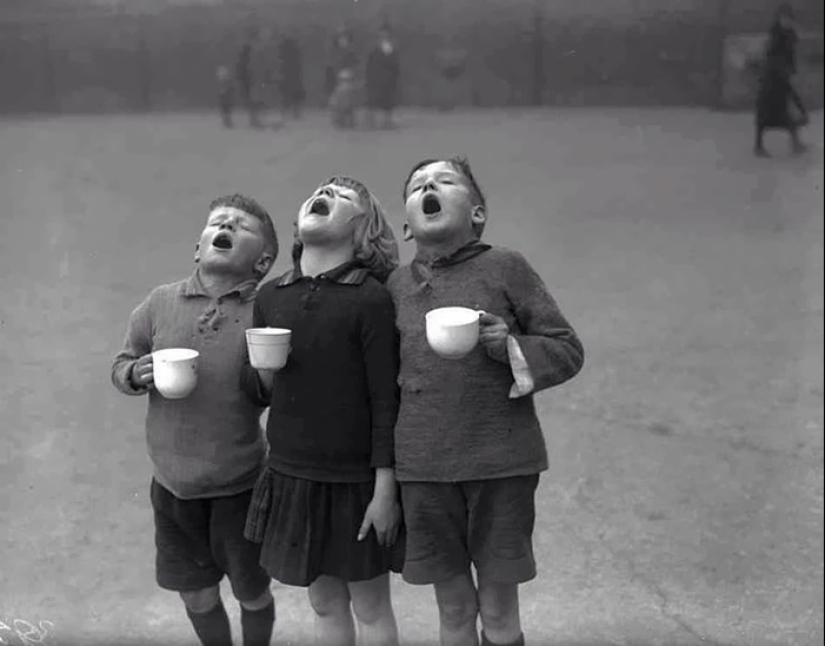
(412, 323)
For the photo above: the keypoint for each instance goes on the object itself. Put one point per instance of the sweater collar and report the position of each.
(422, 265)
(348, 273)
(245, 291)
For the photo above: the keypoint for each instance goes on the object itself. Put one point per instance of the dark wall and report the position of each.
(150, 55)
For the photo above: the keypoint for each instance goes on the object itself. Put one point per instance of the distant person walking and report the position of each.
(382, 79)
(291, 77)
(778, 105)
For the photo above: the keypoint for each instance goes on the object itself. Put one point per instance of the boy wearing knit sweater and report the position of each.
(469, 446)
(207, 449)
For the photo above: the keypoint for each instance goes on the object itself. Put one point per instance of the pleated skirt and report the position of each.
(308, 529)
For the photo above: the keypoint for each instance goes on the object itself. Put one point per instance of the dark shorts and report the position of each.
(486, 523)
(201, 541)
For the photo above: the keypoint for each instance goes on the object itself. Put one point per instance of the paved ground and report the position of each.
(684, 501)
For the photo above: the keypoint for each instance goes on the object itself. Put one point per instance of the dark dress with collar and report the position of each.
(331, 423)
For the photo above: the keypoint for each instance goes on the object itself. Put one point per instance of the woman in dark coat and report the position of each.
(382, 78)
(776, 93)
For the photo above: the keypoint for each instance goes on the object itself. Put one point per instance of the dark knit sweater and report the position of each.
(456, 421)
(334, 405)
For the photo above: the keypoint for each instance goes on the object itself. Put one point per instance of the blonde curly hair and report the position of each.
(375, 246)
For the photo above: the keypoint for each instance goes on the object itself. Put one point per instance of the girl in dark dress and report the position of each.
(326, 508)
(776, 93)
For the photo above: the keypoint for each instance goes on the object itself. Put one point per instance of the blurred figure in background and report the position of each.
(452, 63)
(341, 57)
(226, 94)
(344, 100)
(382, 79)
(291, 77)
(778, 105)
(254, 73)
(243, 74)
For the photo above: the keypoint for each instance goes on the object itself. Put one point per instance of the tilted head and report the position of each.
(444, 202)
(239, 238)
(343, 211)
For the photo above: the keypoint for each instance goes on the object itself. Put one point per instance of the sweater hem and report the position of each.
(196, 493)
(319, 474)
(410, 475)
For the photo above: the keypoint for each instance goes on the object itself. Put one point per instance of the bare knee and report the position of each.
(329, 597)
(258, 604)
(457, 602)
(371, 600)
(499, 610)
(201, 601)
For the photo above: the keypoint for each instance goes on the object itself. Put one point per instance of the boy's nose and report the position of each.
(326, 191)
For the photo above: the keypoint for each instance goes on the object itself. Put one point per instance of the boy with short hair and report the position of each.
(207, 449)
(469, 446)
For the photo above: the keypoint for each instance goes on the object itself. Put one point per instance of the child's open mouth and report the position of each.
(319, 206)
(222, 241)
(430, 205)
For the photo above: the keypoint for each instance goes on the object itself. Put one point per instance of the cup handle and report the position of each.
(481, 313)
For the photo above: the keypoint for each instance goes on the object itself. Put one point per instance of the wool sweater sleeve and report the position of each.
(250, 381)
(379, 342)
(138, 343)
(545, 340)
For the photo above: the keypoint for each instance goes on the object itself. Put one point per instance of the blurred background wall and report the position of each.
(134, 55)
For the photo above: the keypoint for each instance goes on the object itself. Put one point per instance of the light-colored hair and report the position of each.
(375, 245)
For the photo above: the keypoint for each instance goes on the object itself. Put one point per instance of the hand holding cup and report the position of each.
(493, 333)
(143, 372)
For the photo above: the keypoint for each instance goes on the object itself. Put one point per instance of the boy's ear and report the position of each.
(407, 232)
(478, 214)
(197, 252)
(264, 263)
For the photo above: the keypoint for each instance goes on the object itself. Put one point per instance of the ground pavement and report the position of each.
(683, 505)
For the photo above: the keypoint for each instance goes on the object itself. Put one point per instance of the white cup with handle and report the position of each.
(175, 372)
(452, 332)
(269, 347)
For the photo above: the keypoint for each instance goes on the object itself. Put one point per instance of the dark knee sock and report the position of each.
(257, 625)
(212, 627)
(487, 642)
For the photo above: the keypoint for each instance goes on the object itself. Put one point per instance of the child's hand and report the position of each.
(493, 332)
(384, 516)
(143, 372)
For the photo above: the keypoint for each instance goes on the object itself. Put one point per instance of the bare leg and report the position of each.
(372, 606)
(499, 609)
(330, 600)
(458, 611)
